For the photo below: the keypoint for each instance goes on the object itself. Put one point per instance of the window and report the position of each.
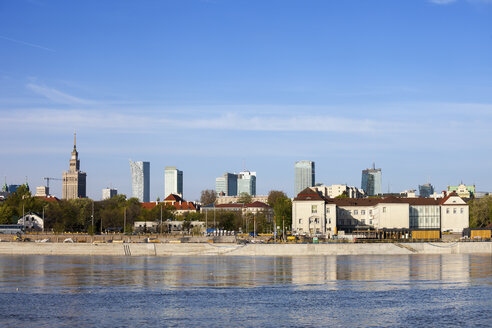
(384, 209)
(461, 211)
(454, 211)
(327, 210)
(370, 212)
(363, 212)
(363, 221)
(349, 212)
(329, 221)
(314, 208)
(447, 211)
(300, 221)
(356, 212)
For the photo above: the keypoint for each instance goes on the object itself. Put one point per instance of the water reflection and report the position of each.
(373, 272)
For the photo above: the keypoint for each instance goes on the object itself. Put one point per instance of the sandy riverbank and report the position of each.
(209, 249)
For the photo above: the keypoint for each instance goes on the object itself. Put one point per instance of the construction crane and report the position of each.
(48, 181)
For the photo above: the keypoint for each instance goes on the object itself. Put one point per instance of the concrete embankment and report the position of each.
(209, 249)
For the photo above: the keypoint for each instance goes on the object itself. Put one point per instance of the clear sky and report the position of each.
(214, 85)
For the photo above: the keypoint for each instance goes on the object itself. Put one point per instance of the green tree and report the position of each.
(282, 210)
(343, 195)
(244, 198)
(481, 212)
(273, 195)
(208, 197)
(6, 214)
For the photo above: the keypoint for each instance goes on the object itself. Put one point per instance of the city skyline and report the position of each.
(405, 84)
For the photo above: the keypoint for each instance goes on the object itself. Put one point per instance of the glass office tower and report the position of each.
(304, 176)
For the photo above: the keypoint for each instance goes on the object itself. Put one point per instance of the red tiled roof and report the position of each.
(257, 204)
(48, 199)
(309, 194)
(173, 197)
(183, 206)
(148, 206)
(448, 196)
(231, 205)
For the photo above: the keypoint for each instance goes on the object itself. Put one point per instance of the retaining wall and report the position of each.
(209, 249)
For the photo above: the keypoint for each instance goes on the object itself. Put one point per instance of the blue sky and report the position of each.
(209, 85)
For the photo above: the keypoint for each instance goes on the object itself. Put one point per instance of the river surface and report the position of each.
(321, 291)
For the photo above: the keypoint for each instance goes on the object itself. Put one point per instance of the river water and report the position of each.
(321, 291)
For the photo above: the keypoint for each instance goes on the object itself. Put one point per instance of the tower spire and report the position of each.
(74, 140)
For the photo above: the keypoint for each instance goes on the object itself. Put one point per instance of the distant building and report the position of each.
(109, 193)
(140, 180)
(232, 184)
(226, 185)
(304, 176)
(234, 199)
(338, 190)
(42, 191)
(13, 188)
(312, 214)
(181, 207)
(481, 194)
(426, 190)
(462, 190)
(74, 180)
(32, 221)
(246, 182)
(173, 181)
(371, 181)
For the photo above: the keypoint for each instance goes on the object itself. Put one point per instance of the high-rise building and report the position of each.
(109, 193)
(140, 180)
(304, 176)
(371, 181)
(246, 182)
(74, 180)
(226, 185)
(173, 181)
(426, 190)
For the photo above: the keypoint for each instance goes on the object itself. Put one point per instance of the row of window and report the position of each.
(316, 221)
(455, 210)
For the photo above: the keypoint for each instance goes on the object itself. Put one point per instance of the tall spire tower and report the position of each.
(74, 181)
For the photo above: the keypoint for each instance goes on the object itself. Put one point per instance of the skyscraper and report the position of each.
(246, 182)
(109, 193)
(371, 181)
(74, 180)
(426, 190)
(226, 184)
(140, 180)
(173, 181)
(304, 176)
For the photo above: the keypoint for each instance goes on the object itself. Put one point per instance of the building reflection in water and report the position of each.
(79, 273)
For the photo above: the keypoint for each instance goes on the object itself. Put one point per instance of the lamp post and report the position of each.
(92, 219)
(124, 222)
(161, 221)
(44, 225)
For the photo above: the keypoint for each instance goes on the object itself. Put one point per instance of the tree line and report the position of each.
(86, 215)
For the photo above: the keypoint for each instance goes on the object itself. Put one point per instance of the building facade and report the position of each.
(226, 185)
(426, 190)
(246, 183)
(304, 176)
(462, 190)
(109, 193)
(372, 181)
(338, 190)
(140, 180)
(312, 213)
(173, 181)
(74, 180)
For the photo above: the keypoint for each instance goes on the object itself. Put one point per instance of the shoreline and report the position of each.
(228, 249)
